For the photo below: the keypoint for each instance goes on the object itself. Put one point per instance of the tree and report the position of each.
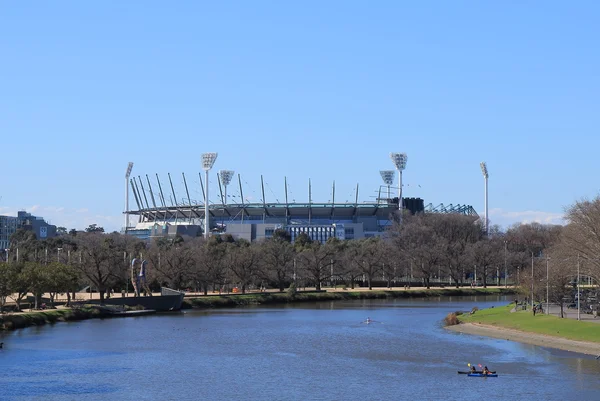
(61, 278)
(316, 259)
(277, 259)
(242, 260)
(5, 282)
(208, 262)
(484, 254)
(61, 230)
(370, 258)
(94, 228)
(36, 276)
(172, 261)
(18, 283)
(100, 259)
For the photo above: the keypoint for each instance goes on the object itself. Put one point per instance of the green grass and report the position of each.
(541, 324)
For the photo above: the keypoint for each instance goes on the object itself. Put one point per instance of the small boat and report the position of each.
(482, 375)
(477, 371)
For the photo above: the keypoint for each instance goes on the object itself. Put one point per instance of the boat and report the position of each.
(482, 375)
(477, 371)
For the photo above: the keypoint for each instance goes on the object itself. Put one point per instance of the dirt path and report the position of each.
(542, 340)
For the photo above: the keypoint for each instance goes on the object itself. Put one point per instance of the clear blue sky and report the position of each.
(312, 89)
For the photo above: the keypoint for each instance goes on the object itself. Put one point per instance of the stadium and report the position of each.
(162, 211)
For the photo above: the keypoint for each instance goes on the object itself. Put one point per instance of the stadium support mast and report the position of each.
(226, 176)
(127, 174)
(388, 179)
(399, 160)
(208, 161)
(484, 171)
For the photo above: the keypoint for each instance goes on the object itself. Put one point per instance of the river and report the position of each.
(317, 351)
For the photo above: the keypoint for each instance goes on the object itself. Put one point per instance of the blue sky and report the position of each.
(319, 90)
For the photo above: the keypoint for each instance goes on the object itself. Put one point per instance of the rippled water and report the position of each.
(301, 352)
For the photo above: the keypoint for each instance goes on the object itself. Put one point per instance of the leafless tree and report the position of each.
(100, 259)
(277, 259)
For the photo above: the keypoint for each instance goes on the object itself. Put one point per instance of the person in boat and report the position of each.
(473, 370)
(485, 371)
(368, 320)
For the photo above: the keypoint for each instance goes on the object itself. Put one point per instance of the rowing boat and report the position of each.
(477, 371)
(482, 375)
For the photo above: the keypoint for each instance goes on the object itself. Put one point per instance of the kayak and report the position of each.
(482, 375)
(477, 371)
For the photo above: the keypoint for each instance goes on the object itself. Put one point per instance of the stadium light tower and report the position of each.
(388, 178)
(127, 174)
(484, 170)
(226, 176)
(399, 160)
(208, 160)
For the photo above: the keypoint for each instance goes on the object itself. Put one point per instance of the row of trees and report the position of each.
(425, 248)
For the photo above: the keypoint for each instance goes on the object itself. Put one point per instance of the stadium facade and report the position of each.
(257, 221)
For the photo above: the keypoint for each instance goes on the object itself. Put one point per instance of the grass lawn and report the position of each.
(541, 324)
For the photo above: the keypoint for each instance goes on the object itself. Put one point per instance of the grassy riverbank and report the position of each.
(502, 317)
(228, 301)
(39, 318)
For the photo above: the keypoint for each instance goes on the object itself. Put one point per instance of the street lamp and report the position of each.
(532, 281)
(208, 160)
(547, 285)
(58, 254)
(484, 170)
(127, 174)
(399, 160)
(388, 178)
(226, 176)
(505, 271)
(578, 292)
(7, 250)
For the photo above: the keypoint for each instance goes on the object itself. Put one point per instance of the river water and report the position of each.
(317, 351)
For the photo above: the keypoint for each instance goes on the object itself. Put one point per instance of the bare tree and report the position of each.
(316, 260)
(242, 261)
(277, 259)
(100, 259)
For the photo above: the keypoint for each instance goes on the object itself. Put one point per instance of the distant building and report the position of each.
(10, 224)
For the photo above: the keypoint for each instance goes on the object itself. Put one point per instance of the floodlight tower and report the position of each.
(484, 170)
(208, 160)
(127, 174)
(226, 176)
(399, 160)
(388, 178)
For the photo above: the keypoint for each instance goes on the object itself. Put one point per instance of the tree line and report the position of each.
(424, 249)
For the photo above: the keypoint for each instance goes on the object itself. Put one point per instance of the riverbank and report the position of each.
(15, 321)
(270, 298)
(542, 330)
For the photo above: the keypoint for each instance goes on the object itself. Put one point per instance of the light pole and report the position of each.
(505, 271)
(208, 160)
(7, 250)
(388, 179)
(226, 176)
(127, 174)
(399, 160)
(58, 254)
(578, 292)
(484, 170)
(547, 285)
(531, 280)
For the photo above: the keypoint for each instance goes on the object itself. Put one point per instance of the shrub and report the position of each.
(451, 319)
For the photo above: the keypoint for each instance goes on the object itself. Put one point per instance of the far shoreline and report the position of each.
(542, 340)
